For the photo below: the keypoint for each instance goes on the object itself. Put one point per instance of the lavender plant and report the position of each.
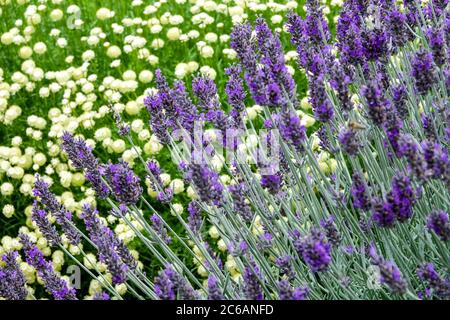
(293, 228)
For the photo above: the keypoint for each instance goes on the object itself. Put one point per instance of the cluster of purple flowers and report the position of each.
(62, 215)
(159, 228)
(287, 292)
(111, 250)
(125, 185)
(389, 273)
(54, 285)
(12, 279)
(399, 203)
(439, 223)
(439, 286)
(314, 249)
(170, 285)
(207, 183)
(83, 159)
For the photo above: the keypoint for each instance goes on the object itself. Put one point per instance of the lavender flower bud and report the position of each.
(62, 216)
(242, 43)
(437, 45)
(206, 182)
(389, 273)
(159, 228)
(287, 292)
(82, 158)
(428, 274)
(124, 183)
(399, 101)
(423, 71)
(285, 266)
(252, 287)
(382, 217)
(438, 222)
(349, 139)
(240, 203)
(169, 285)
(12, 279)
(236, 95)
(401, 199)
(48, 230)
(360, 192)
(52, 282)
(291, 129)
(101, 296)
(111, 250)
(214, 291)
(195, 216)
(377, 105)
(331, 231)
(414, 155)
(315, 250)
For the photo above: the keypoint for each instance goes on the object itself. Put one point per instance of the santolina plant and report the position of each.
(292, 229)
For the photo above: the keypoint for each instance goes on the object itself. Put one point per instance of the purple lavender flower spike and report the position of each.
(159, 228)
(272, 182)
(164, 288)
(389, 272)
(166, 194)
(439, 223)
(240, 204)
(377, 105)
(62, 215)
(82, 158)
(437, 41)
(397, 27)
(382, 217)
(437, 160)
(252, 286)
(170, 285)
(206, 182)
(12, 279)
(214, 291)
(401, 199)
(331, 231)
(236, 95)
(49, 231)
(185, 110)
(124, 128)
(273, 59)
(291, 129)
(350, 41)
(284, 264)
(360, 192)
(315, 250)
(340, 82)
(399, 95)
(52, 282)
(349, 139)
(323, 110)
(243, 44)
(392, 127)
(287, 292)
(195, 216)
(124, 183)
(412, 151)
(423, 71)
(161, 107)
(111, 250)
(376, 44)
(439, 286)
